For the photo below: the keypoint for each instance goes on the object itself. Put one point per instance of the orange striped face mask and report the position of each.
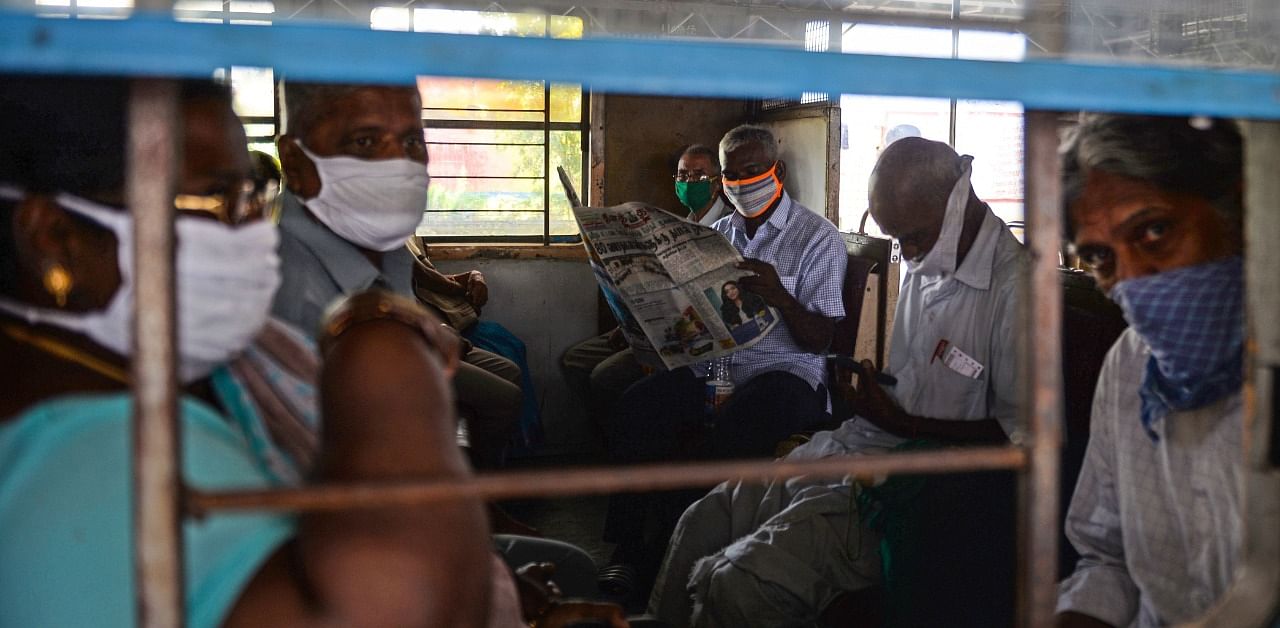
(751, 197)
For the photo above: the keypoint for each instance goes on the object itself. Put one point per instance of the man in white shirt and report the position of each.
(777, 555)
(1155, 211)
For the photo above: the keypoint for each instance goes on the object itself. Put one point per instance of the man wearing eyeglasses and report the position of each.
(698, 185)
(794, 261)
(601, 368)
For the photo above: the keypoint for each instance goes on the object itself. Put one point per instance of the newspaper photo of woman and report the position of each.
(738, 306)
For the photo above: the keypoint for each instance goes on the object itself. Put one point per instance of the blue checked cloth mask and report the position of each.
(1193, 320)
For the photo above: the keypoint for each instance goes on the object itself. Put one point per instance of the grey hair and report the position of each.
(302, 105)
(705, 151)
(747, 134)
(1204, 158)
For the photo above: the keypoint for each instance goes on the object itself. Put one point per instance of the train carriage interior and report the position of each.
(551, 126)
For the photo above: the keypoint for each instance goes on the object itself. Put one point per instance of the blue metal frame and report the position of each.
(148, 45)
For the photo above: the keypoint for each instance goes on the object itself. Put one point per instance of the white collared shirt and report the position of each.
(715, 212)
(975, 310)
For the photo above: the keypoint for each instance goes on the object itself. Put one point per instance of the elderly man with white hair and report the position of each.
(776, 555)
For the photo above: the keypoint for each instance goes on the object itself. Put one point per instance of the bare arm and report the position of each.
(388, 417)
(873, 403)
(428, 277)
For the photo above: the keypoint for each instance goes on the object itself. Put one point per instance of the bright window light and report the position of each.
(992, 46)
(105, 4)
(252, 6)
(391, 19)
(204, 6)
(897, 40)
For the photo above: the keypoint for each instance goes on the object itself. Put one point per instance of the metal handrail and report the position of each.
(589, 480)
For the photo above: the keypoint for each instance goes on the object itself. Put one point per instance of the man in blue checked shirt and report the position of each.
(795, 261)
(1155, 211)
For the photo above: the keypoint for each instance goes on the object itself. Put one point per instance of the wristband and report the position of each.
(375, 305)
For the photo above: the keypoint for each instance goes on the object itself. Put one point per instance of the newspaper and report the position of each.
(672, 285)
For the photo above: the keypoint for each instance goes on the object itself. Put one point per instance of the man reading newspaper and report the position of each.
(795, 263)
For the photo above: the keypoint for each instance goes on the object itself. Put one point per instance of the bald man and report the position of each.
(778, 554)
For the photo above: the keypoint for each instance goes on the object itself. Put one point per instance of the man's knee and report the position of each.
(586, 355)
(493, 401)
(495, 364)
(616, 373)
(733, 596)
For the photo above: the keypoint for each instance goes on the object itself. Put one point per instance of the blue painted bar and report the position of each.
(157, 46)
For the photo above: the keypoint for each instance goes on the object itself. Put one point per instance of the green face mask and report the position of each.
(694, 194)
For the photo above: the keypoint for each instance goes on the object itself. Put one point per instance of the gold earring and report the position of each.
(58, 282)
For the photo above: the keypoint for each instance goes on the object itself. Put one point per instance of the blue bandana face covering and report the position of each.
(1193, 320)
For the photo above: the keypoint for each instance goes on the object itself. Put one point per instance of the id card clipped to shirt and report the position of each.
(955, 359)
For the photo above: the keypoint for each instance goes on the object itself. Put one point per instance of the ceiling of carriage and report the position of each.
(1237, 33)
(1240, 33)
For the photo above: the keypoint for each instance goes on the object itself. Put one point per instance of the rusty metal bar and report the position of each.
(563, 482)
(1041, 342)
(153, 129)
(1043, 360)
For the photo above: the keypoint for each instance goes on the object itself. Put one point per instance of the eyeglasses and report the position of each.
(233, 207)
(694, 177)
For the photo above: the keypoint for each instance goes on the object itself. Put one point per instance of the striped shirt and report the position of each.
(809, 255)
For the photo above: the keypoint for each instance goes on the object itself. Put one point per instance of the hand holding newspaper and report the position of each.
(672, 284)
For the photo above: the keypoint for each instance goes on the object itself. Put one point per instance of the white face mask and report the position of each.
(376, 205)
(226, 280)
(941, 259)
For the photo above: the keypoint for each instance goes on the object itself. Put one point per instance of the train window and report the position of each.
(991, 131)
(85, 9)
(495, 144)
(253, 96)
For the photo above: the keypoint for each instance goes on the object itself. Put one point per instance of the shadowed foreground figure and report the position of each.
(66, 293)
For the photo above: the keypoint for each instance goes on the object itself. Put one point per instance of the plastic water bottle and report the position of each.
(719, 386)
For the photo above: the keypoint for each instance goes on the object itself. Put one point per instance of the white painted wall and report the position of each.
(550, 305)
(802, 144)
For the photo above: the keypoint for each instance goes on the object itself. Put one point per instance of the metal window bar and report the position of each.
(546, 126)
(154, 114)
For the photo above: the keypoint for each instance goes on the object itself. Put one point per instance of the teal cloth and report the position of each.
(495, 338)
(66, 515)
(892, 510)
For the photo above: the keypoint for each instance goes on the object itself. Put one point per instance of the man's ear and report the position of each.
(300, 176)
(782, 171)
